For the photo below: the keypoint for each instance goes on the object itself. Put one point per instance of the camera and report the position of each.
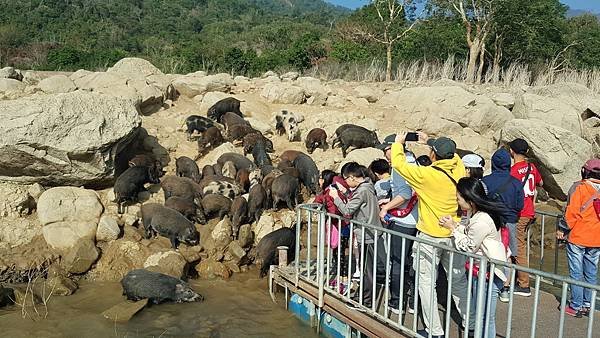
(412, 136)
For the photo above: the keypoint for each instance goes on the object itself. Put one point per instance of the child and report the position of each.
(363, 207)
(383, 187)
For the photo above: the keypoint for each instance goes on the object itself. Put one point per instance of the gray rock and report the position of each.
(134, 66)
(245, 235)
(209, 269)
(552, 110)
(124, 311)
(592, 122)
(235, 252)
(57, 84)
(11, 73)
(283, 93)
(221, 234)
(290, 76)
(269, 74)
(61, 286)
(169, 262)
(11, 85)
(506, 100)
(80, 258)
(108, 229)
(64, 139)
(62, 204)
(192, 85)
(370, 93)
(559, 152)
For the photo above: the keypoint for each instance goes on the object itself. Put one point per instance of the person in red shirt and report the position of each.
(531, 178)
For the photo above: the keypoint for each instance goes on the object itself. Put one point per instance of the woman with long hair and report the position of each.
(480, 234)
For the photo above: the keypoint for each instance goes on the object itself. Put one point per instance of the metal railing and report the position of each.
(318, 270)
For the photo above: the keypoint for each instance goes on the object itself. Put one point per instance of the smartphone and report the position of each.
(334, 186)
(412, 136)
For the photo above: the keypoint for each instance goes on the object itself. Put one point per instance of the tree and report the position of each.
(382, 21)
(477, 17)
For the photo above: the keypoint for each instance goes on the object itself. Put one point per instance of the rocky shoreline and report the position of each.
(67, 136)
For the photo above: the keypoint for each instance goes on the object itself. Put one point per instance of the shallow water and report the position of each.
(240, 307)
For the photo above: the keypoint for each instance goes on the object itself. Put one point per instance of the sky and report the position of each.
(590, 5)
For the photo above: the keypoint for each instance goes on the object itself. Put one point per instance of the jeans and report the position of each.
(583, 266)
(397, 269)
(496, 286)
(427, 269)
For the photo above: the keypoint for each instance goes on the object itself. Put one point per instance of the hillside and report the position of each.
(180, 35)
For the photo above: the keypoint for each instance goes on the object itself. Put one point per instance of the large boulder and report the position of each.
(370, 93)
(315, 92)
(192, 84)
(575, 94)
(80, 258)
(68, 215)
(362, 156)
(552, 110)
(168, 262)
(433, 105)
(64, 139)
(11, 73)
(57, 84)
(283, 93)
(134, 66)
(120, 257)
(209, 269)
(558, 152)
(11, 85)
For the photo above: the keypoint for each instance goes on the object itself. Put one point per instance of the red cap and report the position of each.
(592, 165)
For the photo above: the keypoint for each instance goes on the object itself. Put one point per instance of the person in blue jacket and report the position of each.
(502, 186)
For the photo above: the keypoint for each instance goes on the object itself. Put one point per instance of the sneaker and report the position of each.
(410, 309)
(356, 275)
(395, 310)
(585, 311)
(571, 311)
(504, 296)
(521, 291)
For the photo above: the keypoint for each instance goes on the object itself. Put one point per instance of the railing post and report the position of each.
(321, 257)
(297, 248)
(480, 310)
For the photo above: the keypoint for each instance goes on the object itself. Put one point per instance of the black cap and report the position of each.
(443, 147)
(387, 142)
(519, 146)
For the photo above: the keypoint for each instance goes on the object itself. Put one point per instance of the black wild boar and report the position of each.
(208, 171)
(316, 138)
(239, 209)
(250, 140)
(240, 161)
(267, 182)
(239, 131)
(261, 158)
(211, 139)
(242, 178)
(131, 182)
(289, 155)
(197, 123)
(216, 205)
(266, 250)
(169, 223)
(343, 128)
(357, 138)
(285, 188)
(230, 119)
(217, 110)
(186, 167)
(188, 208)
(181, 187)
(257, 202)
(309, 173)
(157, 287)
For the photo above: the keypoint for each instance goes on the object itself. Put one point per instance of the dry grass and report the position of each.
(422, 72)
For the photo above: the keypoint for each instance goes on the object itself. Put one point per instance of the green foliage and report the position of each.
(585, 35)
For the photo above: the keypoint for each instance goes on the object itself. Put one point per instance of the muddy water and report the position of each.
(240, 307)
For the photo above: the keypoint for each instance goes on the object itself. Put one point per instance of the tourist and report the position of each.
(362, 206)
(481, 236)
(474, 165)
(335, 231)
(507, 189)
(530, 177)
(401, 214)
(582, 232)
(383, 188)
(436, 187)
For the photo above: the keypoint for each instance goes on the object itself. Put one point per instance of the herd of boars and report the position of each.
(234, 186)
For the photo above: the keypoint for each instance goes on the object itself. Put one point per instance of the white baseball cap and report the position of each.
(473, 161)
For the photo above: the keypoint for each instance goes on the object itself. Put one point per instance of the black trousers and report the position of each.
(368, 276)
(397, 269)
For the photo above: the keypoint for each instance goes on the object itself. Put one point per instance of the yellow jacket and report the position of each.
(437, 193)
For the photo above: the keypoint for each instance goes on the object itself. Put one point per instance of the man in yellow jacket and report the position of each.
(436, 187)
